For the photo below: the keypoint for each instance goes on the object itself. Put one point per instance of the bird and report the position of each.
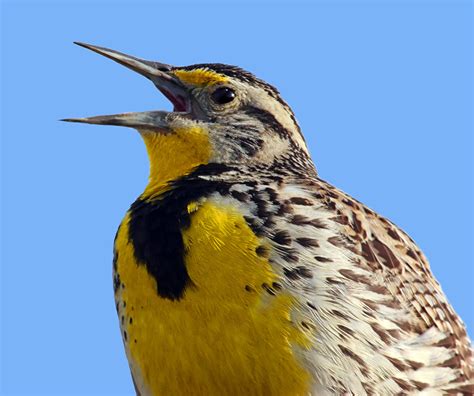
(239, 271)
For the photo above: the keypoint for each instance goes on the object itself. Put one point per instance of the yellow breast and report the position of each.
(226, 335)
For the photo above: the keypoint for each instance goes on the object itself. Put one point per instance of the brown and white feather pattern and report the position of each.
(379, 320)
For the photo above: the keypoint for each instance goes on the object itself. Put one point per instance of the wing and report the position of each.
(374, 307)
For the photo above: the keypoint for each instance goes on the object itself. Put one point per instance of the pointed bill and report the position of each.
(163, 78)
(154, 120)
(145, 68)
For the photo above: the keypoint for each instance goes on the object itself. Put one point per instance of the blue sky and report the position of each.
(383, 92)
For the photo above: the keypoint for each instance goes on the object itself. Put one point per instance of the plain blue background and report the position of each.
(383, 92)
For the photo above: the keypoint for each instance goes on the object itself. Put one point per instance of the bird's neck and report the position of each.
(174, 155)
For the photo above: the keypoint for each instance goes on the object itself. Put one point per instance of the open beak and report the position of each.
(160, 74)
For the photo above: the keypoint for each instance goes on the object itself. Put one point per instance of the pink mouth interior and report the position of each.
(179, 103)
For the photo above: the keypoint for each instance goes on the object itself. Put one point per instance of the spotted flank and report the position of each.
(239, 271)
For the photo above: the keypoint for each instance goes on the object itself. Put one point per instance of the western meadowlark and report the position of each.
(239, 271)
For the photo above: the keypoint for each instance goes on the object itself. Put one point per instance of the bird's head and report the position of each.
(222, 114)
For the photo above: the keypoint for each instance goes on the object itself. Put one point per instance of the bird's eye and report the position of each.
(223, 95)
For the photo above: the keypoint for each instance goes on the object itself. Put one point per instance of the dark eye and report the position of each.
(223, 95)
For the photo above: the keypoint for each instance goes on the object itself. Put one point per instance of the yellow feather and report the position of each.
(200, 77)
(173, 155)
(226, 336)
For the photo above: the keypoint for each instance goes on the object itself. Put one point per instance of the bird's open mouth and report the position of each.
(161, 75)
(180, 103)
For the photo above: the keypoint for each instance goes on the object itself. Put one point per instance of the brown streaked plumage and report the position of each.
(245, 272)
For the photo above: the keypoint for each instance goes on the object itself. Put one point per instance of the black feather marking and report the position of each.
(155, 229)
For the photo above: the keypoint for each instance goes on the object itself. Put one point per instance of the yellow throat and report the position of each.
(174, 155)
